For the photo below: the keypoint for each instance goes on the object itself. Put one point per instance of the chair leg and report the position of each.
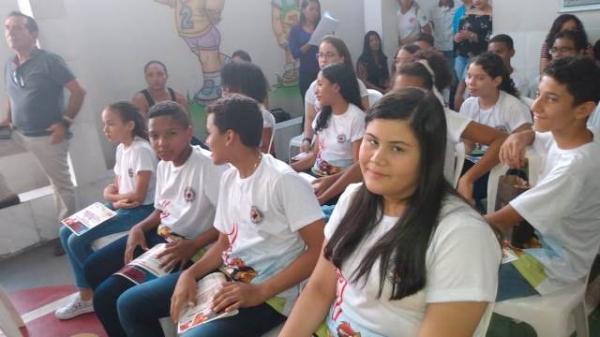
(581, 321)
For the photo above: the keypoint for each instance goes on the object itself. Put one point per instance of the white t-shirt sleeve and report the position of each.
(455, 273)
(550, 199)
(310, 96)
(145, 160)
(518, 114)
(293, 191)
(469, 108)
(456, 124)
(211, 178)
(160, 176)
(363, 88)
(221, 211)
(340, 209)
(358, 125)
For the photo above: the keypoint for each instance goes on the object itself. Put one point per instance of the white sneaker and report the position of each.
(74, 308)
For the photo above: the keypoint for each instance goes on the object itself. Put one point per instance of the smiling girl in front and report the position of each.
(395, 262)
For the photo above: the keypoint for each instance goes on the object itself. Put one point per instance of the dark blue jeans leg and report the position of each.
(249, 322)
(142, 306)
(511, 284)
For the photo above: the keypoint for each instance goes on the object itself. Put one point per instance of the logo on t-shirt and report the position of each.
(346, 330)
(255, 215)
(189, 194)
(341, 138)
(130, 172)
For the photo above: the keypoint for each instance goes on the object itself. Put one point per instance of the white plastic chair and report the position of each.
(551, 314)
(295, 143)
(374, 96)
(459, 162)
(10, 320)
(534, 162)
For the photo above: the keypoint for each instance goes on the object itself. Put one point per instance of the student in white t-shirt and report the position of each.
(270, 234)
(339, 126)
(442, 17)
(594, 120)
(332, 50)
(131, 195)
(248, 79)
(185, 201)
(503, 46)
(412, 20)
(563, 206)
(395, 262)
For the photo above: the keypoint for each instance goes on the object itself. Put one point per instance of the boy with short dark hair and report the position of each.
(563, 206)
(270, 236)
(503, 46)
(186, 197)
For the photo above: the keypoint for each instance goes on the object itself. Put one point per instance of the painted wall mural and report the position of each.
(285, 15)
(196, 22)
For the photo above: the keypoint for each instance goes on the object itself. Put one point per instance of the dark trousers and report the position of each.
(98, 271)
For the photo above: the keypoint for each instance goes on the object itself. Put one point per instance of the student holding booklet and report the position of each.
(267, 244)
(185, 201)
(130, 195)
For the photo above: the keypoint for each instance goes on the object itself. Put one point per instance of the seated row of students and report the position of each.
(405, 208)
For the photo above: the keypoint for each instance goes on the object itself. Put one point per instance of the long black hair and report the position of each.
(557, 26)
(344, 77)
(401, 251)
(303, 6)
(340, 46)
(130, 113)
(493, 65)
(369, 60)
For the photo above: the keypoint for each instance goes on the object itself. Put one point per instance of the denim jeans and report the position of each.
(78, 248)
(511, 284)
(99, 269)
(460, 64)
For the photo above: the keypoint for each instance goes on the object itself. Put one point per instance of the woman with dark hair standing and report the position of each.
(371, 66)
(562, 23)
(339, 126)
(310, 15)
(395, 262)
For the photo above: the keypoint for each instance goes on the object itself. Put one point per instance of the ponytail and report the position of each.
(130, 113)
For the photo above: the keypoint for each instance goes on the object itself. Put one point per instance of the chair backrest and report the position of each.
(459, 161)
(484, 323)
(374, 96)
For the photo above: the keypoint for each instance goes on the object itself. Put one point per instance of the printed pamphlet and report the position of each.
(145, 267)
(88, 218)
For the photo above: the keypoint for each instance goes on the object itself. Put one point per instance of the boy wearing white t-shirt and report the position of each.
(185, 202)
(563, 206)
(270, 234)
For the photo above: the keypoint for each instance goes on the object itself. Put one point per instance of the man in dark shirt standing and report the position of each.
(34, 80)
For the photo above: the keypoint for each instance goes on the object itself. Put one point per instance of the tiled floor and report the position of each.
(39, 267)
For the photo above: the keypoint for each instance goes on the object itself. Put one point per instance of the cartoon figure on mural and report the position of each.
(285, 14)
(196, 22)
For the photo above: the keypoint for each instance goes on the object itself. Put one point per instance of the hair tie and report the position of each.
(434, 89)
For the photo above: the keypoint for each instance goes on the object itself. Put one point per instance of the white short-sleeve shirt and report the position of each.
(187, 195)
(508, 114)
(410, 23)
(137, 157)
(311, 98)
(261, 215)
(454, 273)
(442, 18)
(456, 125)
(335, 141)
(564, 208)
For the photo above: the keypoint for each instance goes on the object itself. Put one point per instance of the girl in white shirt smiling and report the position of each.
(395, 262)
(340, 124)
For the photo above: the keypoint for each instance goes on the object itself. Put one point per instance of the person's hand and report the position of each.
(184, 295)
(465, 189)
(320, 185)
(177, 253)
(111, 189)
(125, 203)
(57, 133)
(136, 238)
(305, 48)
(305, 146)
(512, 151)
(473, 36)
(235, 295)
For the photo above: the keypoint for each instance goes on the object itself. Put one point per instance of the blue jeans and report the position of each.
(78, 248)
(460, 64)
(142, 306)
(99, 269)
(511, 284)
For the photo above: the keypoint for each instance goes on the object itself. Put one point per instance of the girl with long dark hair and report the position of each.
(562, 23)
(339, 126)
(371, 66)
(398, 258)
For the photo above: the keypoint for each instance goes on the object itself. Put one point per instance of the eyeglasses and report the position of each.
(555, 50)
(326, 56)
